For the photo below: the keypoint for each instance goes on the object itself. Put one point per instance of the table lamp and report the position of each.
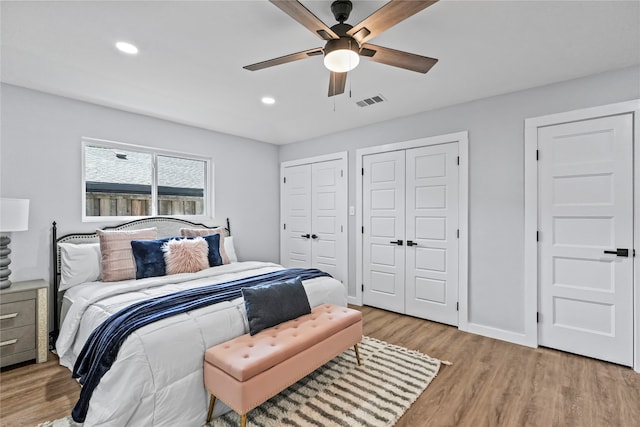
(14, 216)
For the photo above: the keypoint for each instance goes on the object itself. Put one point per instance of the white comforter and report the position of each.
(157, 378)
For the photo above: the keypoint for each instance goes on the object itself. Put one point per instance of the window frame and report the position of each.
(209, 199)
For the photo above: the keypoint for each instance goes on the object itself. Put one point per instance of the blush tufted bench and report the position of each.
(248, 370)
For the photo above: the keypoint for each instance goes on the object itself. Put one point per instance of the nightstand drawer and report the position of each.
(15, 314)
(17, 296)
(17, 340)
(23, 317)
(17, 358)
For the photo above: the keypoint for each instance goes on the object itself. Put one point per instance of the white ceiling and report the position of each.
(189, 68)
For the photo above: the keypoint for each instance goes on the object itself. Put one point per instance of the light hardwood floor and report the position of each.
(491, 383)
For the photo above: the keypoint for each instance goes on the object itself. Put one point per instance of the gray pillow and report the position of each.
(274, 303)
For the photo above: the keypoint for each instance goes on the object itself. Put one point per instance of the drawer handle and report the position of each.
(8, 316)
(8, 342)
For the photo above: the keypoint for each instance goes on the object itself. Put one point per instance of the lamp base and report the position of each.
(4, 262)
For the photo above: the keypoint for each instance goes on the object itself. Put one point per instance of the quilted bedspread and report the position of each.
(156, 379)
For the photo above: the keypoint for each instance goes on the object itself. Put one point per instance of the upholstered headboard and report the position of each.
(166, 226)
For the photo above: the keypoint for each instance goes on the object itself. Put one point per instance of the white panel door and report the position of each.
(384, 221)
(327, 206)
(431, 232)
(585, 195)
(297, 217)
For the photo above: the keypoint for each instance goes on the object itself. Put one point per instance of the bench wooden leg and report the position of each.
(212, 402)
(355, 347)
(243, 420)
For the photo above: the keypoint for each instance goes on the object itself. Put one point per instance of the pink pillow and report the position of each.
(117, 256)
(194, 232)
(186, 255)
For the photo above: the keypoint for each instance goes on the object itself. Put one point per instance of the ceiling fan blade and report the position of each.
(397, 58)
(284, 59)
(297, 11)
(386, 17)
(337, 82)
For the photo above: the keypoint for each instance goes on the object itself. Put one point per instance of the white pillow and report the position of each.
(79, 263)
(230, 249)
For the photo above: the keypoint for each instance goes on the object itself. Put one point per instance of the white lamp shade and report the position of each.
(341, 61)
(14, 214)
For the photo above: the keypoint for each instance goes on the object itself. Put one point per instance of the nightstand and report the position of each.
(24, 315)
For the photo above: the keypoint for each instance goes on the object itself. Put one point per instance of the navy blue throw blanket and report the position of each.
(102, 346)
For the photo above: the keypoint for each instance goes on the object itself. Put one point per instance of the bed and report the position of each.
(157, 377)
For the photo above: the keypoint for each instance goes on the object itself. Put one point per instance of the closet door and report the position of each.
(297, 217)
(410, 231)
(314, 215)
(431, 231)
(383, 235)
(328, 205)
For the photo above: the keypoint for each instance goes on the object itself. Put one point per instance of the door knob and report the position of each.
(619, 252)
(306, 236)
(314, 236)
(397, 242)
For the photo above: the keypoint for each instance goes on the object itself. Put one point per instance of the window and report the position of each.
(122, 180)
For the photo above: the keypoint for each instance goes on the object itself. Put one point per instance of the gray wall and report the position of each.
(496, 175)
(40, 159)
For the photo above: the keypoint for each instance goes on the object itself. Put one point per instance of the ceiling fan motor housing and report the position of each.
(341, 29)
(342, 44)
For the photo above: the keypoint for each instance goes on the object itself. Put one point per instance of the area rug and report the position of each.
(341, 393)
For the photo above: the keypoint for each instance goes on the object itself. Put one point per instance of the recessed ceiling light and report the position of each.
(268, 100)
(127, 48)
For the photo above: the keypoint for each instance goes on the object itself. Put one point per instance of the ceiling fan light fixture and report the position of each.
(341, 55)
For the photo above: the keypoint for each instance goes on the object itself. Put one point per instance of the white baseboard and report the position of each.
(500, 334)
(354, 300)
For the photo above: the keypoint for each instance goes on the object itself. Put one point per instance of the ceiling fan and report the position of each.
(346, 43)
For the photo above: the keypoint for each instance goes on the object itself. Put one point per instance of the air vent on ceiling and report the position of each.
(370, 101)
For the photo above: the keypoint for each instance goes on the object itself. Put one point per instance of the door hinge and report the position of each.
(362, 171)
(457, 306)
(634, 253)
(363, 287)
(363, 229)
(284, 226)
(537, 155)
(342, 228)
(458, 160)
(341, 173)
(458, 233)
(537, 236)
(537, 317)
(284, 180)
